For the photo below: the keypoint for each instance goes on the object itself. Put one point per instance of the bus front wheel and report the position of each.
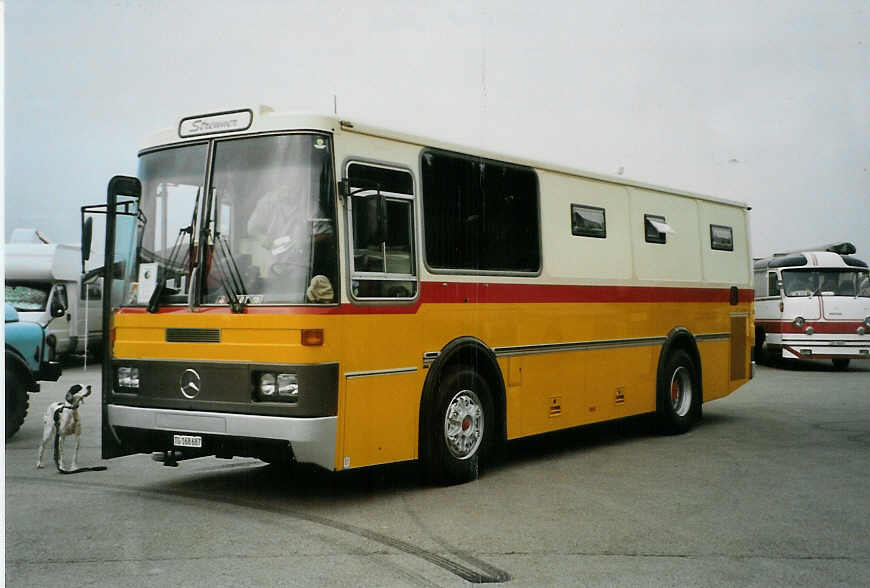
(460, 427)
(679, 394)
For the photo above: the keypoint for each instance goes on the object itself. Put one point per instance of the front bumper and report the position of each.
(49, 371)
(814, 347)
(312, 439)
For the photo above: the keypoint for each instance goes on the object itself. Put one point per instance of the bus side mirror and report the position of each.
(87, 235)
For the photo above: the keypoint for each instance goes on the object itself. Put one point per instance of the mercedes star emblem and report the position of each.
(190, 383)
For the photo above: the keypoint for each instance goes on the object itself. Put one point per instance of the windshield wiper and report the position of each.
(230, 276)
(163, 276)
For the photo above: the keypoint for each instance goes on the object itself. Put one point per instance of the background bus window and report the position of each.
(772, 284)
(92, 290)
(383, 264)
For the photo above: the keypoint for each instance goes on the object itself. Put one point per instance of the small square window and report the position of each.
(655, 228)
(588, 221)
(721, 238)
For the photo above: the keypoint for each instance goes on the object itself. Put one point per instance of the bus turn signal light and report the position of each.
(312, 337)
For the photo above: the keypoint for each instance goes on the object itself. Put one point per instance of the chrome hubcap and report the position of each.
(463, 424)
(681, 391)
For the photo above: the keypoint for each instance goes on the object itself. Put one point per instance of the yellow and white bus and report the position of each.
(290, 286)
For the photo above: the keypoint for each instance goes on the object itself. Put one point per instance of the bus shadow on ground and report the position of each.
(313, 485)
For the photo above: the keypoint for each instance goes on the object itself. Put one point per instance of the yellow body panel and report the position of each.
(379, 413)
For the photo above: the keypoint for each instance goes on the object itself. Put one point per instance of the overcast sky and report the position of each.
(762, 102)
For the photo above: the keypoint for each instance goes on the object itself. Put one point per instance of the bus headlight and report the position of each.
(288, 387)
(799, 321)
(809, 330)
(267, 385)
(128, 377)
(867, 322)
(276, 387)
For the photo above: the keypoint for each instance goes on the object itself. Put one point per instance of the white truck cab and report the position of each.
(813, 304)
(39, 273)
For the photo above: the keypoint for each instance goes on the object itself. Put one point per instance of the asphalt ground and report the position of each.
(771, 489)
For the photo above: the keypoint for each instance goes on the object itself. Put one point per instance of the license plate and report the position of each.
(186, 441)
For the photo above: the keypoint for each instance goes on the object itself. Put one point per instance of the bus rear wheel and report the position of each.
(840, 363)
(678, 400)
(460, 427)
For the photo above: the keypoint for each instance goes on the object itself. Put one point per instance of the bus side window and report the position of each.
(772, 284)
(381, 222)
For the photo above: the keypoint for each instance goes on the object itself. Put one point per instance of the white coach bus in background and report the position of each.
(813, 304)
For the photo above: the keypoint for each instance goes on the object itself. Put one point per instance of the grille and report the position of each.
(193, 335)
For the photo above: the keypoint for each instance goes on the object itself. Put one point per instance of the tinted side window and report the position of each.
(721, 238)
(588, 221)
(92, 291)
(655, 228)
(381, 220)
(480, 214)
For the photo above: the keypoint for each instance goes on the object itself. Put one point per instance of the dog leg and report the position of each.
(60, 448)
(74, 465)
(47, 437)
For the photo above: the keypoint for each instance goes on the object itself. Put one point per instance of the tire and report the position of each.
(96, 350)
(678, 400)
(16, 402)
(460, 423)
(840, 363)
(761, 357)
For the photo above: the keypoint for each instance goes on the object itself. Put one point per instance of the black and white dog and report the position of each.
(61, 420)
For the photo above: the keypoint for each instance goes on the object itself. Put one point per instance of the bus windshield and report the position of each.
(172, 186)
(826, 282)
(273, 221)
(269, 215)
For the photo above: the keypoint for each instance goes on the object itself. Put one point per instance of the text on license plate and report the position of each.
(187, 441)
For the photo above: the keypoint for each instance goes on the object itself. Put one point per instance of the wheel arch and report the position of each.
(476, 354)
(680, 338)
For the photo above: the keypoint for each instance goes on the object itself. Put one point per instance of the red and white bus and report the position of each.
(813, 304)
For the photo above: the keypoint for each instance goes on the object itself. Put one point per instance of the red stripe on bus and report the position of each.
(481, 293)
(451, 292)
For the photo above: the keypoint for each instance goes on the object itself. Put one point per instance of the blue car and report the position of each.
(30, 358)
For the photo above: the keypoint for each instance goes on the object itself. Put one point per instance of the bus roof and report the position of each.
(264, 119)
(809, 259)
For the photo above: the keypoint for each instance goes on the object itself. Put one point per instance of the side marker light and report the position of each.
(312, 337)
